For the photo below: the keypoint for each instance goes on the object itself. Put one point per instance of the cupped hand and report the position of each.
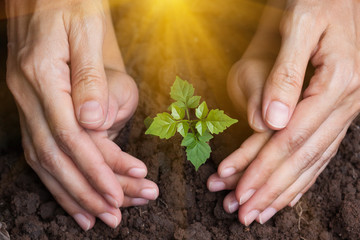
(68, 79)
(273, 170)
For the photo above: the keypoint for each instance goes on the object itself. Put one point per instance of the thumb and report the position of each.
(284, 84)
(245, 86)
(89, 84)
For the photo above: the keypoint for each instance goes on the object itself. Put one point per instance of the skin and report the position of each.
(294, 142)
(73, 97)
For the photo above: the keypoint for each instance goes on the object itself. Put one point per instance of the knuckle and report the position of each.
(13, 85)
(296, 17)
(65, 139)
(30, 157)
(287, 78)
(83, 199)
(89, 15)
(266, 168)
(273, 192)
(49, 160)
(307, 159)
(88, 78)
(296, 140)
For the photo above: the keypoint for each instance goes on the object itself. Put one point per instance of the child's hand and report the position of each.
(269, 174)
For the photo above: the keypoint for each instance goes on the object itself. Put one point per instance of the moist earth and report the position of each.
(185, 208)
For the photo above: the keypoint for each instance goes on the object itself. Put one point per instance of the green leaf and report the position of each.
(177, 112)
(179, 104)
(189, 140)
(201, 127)
(198, 153)
(163, 126)
(205, 137)
(193, 102)
(183, 128)
(202, 110)
(217, 121)
(148, 121)
(181, 90)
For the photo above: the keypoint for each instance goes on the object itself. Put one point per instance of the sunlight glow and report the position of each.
(185, 37)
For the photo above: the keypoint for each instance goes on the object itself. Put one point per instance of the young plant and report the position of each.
(197, 130)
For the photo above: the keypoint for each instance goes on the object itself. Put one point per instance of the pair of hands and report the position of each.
(73, 95)
(273, 169)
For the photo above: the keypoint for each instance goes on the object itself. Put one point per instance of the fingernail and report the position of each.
(137, 172)
(257, 121)
(246, 196)
(149, 193)
(266, 215)
(112, 201)
(227, 172)
(233, 206)
(109, 219)
(91, 112)
(139, 201)
(250, 217)
(277, 114)
(83, 221)
(295, 200)
(216, 186)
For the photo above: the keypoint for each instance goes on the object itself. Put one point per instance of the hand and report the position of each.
(268, 174)
(65, 82)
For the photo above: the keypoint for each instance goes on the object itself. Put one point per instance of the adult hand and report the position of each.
(65, 82)
(269, 173)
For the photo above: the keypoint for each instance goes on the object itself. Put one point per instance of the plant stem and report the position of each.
(187, 114)
(190, 122)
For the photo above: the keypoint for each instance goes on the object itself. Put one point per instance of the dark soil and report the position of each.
(185, 208)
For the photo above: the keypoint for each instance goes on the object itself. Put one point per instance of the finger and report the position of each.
(292, 194)
(245, 84)
(285, 143)
(131, 202)
(89, 84)
(81, 216)
(230, 203)
(283, 86)
(51, 157)
(138, 188)
(247, 77)
(123, 100)
(77, 144)
(84, 218)
(301, 162)
(50, 161)
(242, 157)
(120, 162)
(215, 183)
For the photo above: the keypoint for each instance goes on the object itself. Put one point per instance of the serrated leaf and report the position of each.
(193, 102)
(198, 153)
(181, 90)
(217, 121)
(202, 110)
(205, 137)
(148, 121)
(183, 128)
(177, 112)
(179, 104)
(201, 127)
(189, 140)
(163, 126)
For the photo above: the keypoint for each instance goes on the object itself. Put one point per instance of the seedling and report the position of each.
(192, 120)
